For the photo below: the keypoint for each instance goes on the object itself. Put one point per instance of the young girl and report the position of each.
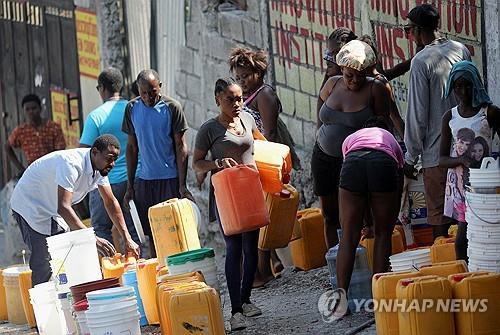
(229, 138)
(249, 68)
(474, 117)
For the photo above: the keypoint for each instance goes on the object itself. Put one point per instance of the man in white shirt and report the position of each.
(42, 200)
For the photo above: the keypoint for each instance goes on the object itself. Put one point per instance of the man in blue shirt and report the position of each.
(156, 128)
(107, 119)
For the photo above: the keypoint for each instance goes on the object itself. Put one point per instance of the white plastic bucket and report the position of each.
(81, 321)
(108, 295)
(410, 260)
(196, 260)
(43, 299)
(68, 265)
(129, 326)
(65, 313)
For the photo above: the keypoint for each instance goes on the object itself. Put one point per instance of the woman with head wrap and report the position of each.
(337, 39)
(347, 102)
(474, 121)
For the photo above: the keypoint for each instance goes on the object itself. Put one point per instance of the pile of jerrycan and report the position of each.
(427, 289)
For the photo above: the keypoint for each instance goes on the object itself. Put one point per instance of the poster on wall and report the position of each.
(88, 42)
(300, 30)
(65, 112)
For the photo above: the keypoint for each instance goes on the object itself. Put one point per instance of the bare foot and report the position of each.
(277, 269)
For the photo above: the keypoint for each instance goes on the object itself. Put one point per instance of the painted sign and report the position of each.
(61, 115)
(88, 43)
(300, 29)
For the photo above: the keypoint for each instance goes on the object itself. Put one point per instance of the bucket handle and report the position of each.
(64, 260)
(469, 207)
(488, 163)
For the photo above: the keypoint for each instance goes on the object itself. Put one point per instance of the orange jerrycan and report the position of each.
(3, 303)
(164, 293)
(369, 244)
(196, 312)
(195, 276)
(282, 209)
(146, 282)
(308, 252)
(384, 291)
(274, 163)
(173, 223)
(24, 286)
(13, 298)
(444, 269)
(422, 310)
(482, 291)
(240, 199)
(114, 267)
(443, 250)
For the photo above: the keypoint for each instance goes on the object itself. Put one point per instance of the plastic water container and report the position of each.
(65, 313)
(3, 302)
(443, 250)
(68, 265)
(444, 269)
(146, 281)
(24, 286)
(14, 303)
(487, 176)
(477, 286)
(482, 207)
(274, 163)
(384, 288)
(397, 243)
(360, 286)
(173, 224)
(80, 318)
(411, 260)
(130, 279)
(79, 292)
(282, 209)
(418, 321)
(114, 267)
(202, 260)
(43, 299)
(240, 199)
(308, 252)
(113, 311)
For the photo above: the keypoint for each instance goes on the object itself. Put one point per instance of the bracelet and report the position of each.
(218, 163)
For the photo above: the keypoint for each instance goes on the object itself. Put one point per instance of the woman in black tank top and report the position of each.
(348, 102)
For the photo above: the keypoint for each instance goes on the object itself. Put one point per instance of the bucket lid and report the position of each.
(14, 271)
(111, 293)
(190, 256)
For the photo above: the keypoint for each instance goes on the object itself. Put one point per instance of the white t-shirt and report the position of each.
(35, 195)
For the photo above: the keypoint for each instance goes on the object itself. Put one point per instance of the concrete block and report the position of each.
(188, 108)
(250, 32)
(295, 128)
(309, 130)
(193, 88)
(302, 106)
(292, 75)
(307, 80)
(313, 100)
(199, 116)
(197, 63)
(186, 60)
(287, 99)
(253, 9)
(279, 71)
(214, 45)
(193, 38)
(319, 77)
(230, 24)
(180, 84)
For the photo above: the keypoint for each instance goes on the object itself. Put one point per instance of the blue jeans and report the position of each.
(100, 220)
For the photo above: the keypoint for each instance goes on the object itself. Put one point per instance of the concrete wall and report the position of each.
(294, 33)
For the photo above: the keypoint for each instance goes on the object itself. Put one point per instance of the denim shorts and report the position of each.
(370, 171)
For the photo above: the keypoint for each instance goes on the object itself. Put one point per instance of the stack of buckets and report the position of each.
(113, 311)
(483, 217)
(43, 298)
(202, 260)
(411, 260)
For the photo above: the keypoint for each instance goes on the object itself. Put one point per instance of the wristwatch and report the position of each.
(218, 163)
